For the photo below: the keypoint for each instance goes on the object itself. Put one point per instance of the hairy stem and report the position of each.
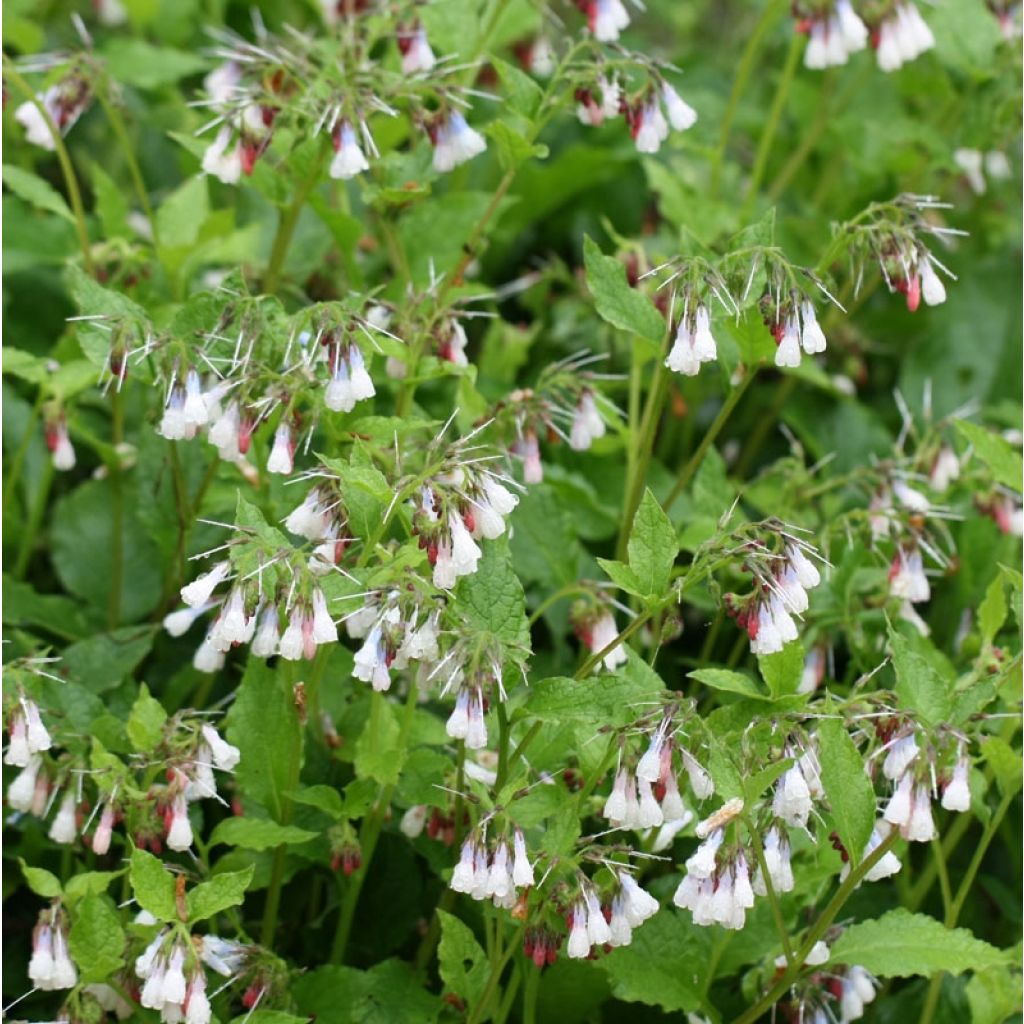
(116, 509)
(67, 167)
(772, 12)
(644, 445)
(693, 464)
(771, 127)
(369, 834)
(817, 930)
(287, 221)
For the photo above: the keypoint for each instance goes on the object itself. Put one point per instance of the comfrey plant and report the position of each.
(483, 544)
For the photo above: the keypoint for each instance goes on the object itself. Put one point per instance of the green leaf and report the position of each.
(183, 213)
(782, 671)
(388, 993)
(111, 203)
(1005, 763)
(153, 886)
(849, 791)
(615, 301)
(93, 299)
(89, 883)
(258, 834)
(35, 190)
(24, 365)
(611, 699)
(900, 944)
(491, 600)
(145, 726)
(379, 754)
(993, 609)
(731, 682)
(463, 964)
(102, 661)
(323, 798)
(136, 62)
(521, 92)
(219, 893)
(919, 685)
(96, 940)
(81, 551)
(1006, 463)
(993, 995)
(665, 965)
(652, 547)
(264, 725)
(41, 881)
(622, 576)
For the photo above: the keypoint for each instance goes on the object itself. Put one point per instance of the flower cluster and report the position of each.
(694, 343)
(192, 749)
(249, 615)
(901, 36)
(780, 593)
(592, 924)
(834, 32)
(648, 796)
(913, 775)
(51, 967)
(396, 631)
(173, 979)
(494, 870)
(319, 87)
(64, 102)
(452, 511)
(563, 406)
(717, 887)
(794, 325)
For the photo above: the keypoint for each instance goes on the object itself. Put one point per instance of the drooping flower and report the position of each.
(349, 159)
(455, 142)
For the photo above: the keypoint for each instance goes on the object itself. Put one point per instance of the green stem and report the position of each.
(644, 446)
(530, 994)
(517, 754)
(814, 131)
(773, 899)
(979, 855)
(691, 467)
(273, 904)
(764, 425)
(817, 930)
(369, 834)
(479, 1011)
(931, 999)
(508, 999)
(764, 148)
(134, 171)
(116, 509)
(943, 876)
(287, 221)
(769, 16)
(66, 166)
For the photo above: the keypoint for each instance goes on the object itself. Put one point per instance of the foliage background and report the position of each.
(845, 138)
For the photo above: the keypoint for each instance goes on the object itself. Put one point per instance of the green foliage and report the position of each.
(449, 432)
(900, 944)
